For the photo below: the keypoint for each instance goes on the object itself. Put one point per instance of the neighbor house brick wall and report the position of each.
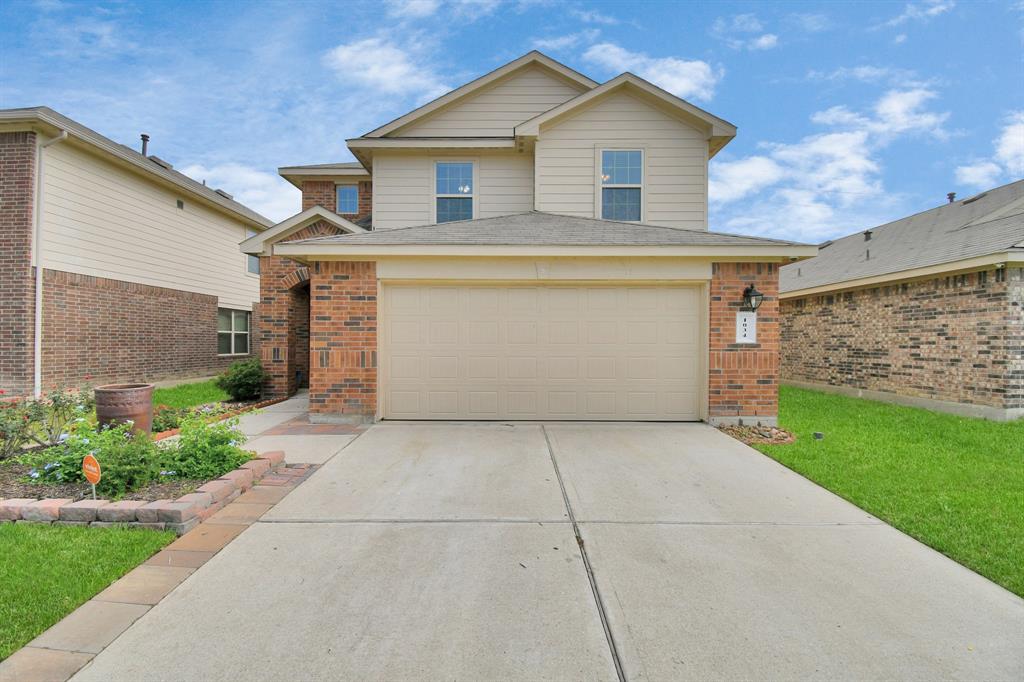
(17, 187)
(322, 193)
(343, 338)
(743, 379)
(115, 331)
(958, 338)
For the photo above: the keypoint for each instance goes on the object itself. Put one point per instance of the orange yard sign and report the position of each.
(91, 469)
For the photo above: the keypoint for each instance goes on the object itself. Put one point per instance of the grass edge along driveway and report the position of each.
(954, 483)
(49, 571)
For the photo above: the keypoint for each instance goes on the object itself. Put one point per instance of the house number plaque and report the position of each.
(746, 327)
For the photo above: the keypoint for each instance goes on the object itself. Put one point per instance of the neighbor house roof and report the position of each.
(719, 130)
(987, 228)
(53, 123)
(537, 230)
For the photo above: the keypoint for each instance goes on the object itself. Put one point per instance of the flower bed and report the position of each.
(212, 415)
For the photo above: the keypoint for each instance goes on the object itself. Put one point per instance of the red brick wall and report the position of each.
(119, 331)
(322, 193)
(743, 379)
(343, 338)
(957, 338)
(17, 186)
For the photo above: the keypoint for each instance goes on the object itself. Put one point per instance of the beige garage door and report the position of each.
(540, 352)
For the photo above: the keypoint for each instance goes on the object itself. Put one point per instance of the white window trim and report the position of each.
(346, 184)
(233, 333)
(599, 151)
(434, 196)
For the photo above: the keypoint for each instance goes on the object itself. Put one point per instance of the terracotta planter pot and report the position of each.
(117, 403)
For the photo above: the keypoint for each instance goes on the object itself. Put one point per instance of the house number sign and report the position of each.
(746, 327)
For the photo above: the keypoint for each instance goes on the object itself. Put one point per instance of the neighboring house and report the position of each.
(539, 250)
(140, 277)
(927, 310)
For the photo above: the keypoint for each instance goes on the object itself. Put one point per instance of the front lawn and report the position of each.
(49, 571)
(190, 395)
(954, 483)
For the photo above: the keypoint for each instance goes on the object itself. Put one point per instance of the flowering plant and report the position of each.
(205, 450)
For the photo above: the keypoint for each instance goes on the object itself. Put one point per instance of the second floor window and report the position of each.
(454, 191)
(348, 199)
(622, 180)
(252, 262)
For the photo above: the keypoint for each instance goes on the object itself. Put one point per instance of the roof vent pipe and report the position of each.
(867, 235)
(145, 143)
(951, 196)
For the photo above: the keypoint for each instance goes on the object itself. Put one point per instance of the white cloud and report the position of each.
(824, 184)
(921, 11)
(693, 79)
(867, 73)
(384, 68)
(566, 41)
(593, 17)
(736, 33)
(412, 9)
(1007, 159)
(811, 23)
(263, 192)
(899, 39)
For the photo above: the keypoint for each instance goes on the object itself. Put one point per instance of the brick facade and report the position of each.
(17, 188)
(743, 379)
(343, 338)
(322, 193)
(958, 338)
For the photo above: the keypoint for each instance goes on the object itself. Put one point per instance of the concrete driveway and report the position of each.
(454, 551)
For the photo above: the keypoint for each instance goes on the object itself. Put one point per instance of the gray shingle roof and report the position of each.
(544, 229)
(327, 166)
(987, 223)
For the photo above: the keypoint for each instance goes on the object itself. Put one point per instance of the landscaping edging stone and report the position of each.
(221, 417)
(181, 515)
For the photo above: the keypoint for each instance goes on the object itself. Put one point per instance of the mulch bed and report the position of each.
(765, 435)
(13, 485)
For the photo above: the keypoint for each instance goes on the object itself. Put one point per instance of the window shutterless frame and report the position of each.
(620, 183)
(455, 190)
(347, 197)
(233, 331)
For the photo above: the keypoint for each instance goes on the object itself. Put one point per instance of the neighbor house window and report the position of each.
(253, 262)
(454, 189)
(232, 331)
(348, 199)
(622, 179)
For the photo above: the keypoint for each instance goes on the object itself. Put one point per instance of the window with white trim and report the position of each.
(348, 199)
(453, 191)
(622, 183)
(232, 331)
(253, 262)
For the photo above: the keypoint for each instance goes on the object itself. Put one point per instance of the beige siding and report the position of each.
(496, 110)
(101, 220)
(403, 186)
(675, 161)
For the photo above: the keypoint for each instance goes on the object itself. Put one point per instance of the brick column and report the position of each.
(17, 305)
(343, 341)
(743, 381)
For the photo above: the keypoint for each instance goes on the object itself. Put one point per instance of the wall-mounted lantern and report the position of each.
(751, 298)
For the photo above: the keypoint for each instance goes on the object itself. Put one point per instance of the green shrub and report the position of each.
(166, 418)
(243, 380)
(15, 427)
(205, 450)
(54, 414)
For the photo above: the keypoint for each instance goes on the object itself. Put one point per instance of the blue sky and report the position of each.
(849, 114)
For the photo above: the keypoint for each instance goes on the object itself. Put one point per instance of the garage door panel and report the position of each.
(540, 352)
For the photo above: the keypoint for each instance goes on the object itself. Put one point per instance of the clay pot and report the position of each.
(117, 403)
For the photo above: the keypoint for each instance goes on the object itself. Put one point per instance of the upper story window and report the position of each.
(232, 331)
(348, 199)
(253, 262)
(622, 182)
(454, 191)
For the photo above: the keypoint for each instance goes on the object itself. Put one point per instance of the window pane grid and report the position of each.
(233, 331)
(348, 199)
(621, 167)
(455, 179)
(620, 203)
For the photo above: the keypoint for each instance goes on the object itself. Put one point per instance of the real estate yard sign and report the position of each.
(91, 471)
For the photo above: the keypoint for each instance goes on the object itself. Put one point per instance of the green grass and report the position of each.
(189, 395)
(49, 571)
(954, 483)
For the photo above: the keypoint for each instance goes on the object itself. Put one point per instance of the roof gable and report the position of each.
(257, 245)
(719, 131)
(532, 59)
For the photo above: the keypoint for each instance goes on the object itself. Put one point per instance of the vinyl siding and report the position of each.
(496, 110)
(403, 186)
(675, 188)
(102, 220)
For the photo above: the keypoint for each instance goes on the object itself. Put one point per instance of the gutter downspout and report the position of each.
(37, 351)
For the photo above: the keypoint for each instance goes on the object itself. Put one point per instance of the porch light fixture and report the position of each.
(752, 298)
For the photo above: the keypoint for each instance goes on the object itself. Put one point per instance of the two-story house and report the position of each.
(114, 266)
(531, 245)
